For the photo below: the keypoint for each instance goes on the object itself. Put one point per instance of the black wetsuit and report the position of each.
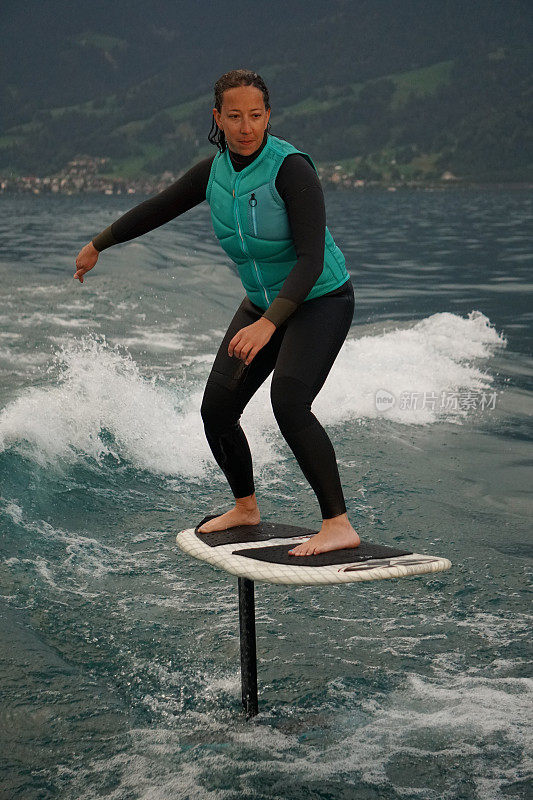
(302, 349)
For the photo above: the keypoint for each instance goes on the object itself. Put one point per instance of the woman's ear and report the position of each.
(216, 115)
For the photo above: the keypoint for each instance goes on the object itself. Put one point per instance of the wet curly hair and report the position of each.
(230, 80)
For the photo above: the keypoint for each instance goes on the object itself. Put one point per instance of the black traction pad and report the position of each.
(249, 533)
(279, 554)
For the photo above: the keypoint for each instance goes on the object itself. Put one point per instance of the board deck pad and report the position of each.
(261, 552)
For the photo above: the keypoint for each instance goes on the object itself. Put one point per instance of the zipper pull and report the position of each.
(234, 193)
(253, 202)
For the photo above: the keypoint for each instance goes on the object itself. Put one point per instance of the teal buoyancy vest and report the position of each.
(250, 220)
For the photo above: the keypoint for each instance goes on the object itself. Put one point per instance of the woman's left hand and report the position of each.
(248, 341)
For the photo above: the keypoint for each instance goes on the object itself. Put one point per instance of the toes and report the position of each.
(296, 551)
(205, 528)
(304, 549)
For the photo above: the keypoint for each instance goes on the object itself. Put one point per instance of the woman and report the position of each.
(267, 209)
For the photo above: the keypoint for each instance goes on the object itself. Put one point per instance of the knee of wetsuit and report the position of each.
(218, 410)
(291, 403)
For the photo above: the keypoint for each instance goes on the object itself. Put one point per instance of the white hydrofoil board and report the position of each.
(260, 553)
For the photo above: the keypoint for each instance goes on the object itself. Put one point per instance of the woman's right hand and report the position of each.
(85, 260)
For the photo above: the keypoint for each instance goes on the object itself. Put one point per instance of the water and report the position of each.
(120, 676)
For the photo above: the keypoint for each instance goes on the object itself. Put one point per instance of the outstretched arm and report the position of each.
(180, 196)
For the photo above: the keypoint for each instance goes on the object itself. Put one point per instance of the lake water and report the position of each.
(120, 675)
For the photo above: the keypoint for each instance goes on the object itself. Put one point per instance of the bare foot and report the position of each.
(335, 534)
(237, 516)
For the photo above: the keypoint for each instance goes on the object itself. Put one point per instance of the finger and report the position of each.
(238, 348)
(246, 349)
(251, 355)
(232, 344)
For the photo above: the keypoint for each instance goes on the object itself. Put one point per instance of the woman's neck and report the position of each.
(240, 161)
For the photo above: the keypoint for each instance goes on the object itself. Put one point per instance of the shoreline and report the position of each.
(148, 187)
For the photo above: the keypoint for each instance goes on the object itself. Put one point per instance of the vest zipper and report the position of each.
(253, 203)
(245, 251)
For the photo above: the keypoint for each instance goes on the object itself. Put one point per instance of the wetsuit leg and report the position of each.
(301, 352)
(312, 340)
(230, 386)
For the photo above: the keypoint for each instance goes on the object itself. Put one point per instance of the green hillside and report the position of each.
(469, 115)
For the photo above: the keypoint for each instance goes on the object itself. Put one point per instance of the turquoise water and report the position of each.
(120, 670)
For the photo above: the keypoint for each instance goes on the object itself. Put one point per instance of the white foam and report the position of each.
(38, 318)
(84, 558)
(157, 426)
(47, 290)
(162, 338)
(452, 717)
(98, 388)
(448, 725)
(76, 306)
(432, 356)
(13, 510)
(16, 357)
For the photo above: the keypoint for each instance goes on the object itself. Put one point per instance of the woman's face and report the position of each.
(243, 118)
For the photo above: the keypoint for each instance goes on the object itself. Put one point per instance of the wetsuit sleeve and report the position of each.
(299, 187)
(180, 196)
